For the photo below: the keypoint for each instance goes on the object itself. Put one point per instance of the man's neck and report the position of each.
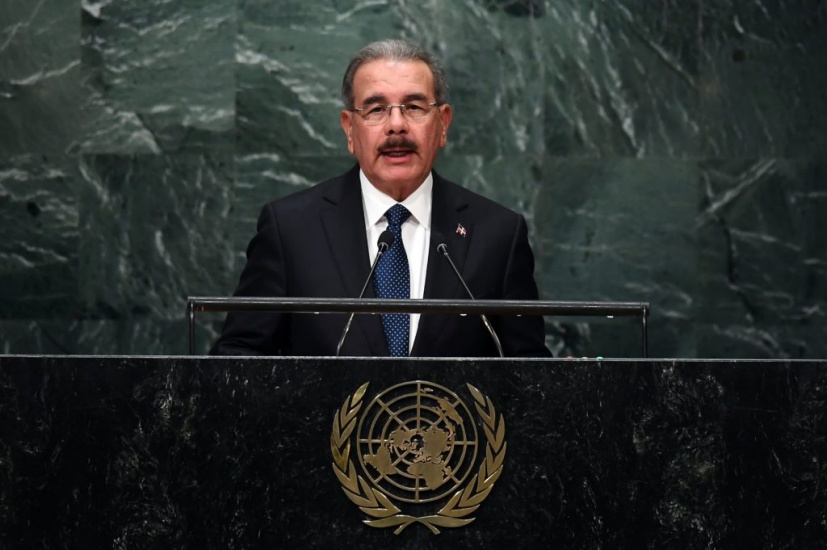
(397, 192)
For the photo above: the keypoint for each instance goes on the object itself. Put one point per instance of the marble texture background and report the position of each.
(670, 152)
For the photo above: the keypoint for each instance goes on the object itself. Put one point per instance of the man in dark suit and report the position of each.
(320, 242)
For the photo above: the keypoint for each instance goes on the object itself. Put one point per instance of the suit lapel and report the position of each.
(441, 282)
(343, 223)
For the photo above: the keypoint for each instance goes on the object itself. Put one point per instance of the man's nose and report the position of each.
(397, 122)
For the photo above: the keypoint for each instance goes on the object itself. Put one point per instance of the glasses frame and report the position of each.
(389, 108)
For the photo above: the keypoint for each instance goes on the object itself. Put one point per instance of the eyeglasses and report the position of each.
(379, 113)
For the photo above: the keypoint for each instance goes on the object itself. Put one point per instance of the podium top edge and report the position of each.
(422, 306)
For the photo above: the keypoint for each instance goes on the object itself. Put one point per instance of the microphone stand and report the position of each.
(385, 242)
(443, 248)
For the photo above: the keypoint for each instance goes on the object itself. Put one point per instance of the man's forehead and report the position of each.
(375, 78)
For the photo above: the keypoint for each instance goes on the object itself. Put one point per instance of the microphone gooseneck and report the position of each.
(384, 243)
(442, 248)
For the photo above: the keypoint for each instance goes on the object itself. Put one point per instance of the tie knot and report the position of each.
(397, 214)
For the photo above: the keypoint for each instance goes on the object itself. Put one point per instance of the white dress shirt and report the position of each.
(416, 232)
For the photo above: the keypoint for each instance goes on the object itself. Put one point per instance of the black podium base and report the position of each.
(179, 452)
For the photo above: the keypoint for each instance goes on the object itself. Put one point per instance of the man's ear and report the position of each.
(446, 115)
(347, 126)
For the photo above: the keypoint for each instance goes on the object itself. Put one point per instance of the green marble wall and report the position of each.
(672, 152)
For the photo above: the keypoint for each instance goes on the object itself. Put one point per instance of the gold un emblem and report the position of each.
(417, 448)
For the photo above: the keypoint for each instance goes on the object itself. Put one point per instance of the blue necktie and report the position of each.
(393, 280)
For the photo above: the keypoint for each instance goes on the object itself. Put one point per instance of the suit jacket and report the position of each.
(312, 244)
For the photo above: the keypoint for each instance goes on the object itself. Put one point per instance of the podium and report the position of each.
(200, 452)
(308, 306)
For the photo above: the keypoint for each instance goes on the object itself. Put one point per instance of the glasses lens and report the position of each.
(374, 113)
(417, 109)
(377, 113)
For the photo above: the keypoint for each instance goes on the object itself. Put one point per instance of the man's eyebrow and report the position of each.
(374, 99)
(379, 98)
(415, 97)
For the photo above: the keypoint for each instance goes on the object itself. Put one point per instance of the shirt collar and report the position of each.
(376, 203)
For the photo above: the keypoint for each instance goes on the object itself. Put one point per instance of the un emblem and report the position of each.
(418, 448)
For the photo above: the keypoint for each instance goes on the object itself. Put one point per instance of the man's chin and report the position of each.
(398, 171)
(398, 177)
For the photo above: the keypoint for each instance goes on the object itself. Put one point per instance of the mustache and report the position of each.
(397, 142)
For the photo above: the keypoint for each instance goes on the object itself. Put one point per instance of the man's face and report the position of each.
(398, 154)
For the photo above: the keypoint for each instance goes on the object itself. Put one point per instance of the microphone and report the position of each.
(384, 243)
(443, 249)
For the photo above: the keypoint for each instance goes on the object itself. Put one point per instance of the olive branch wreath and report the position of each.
(376, 504)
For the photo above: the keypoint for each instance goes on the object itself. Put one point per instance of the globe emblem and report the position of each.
(417, 442)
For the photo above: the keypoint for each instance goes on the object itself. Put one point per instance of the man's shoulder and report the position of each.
(461, 196)
(332, 188)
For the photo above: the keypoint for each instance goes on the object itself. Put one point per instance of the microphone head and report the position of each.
(439, 239)
(385, 240)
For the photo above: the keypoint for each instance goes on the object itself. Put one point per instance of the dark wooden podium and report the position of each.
(194, 452)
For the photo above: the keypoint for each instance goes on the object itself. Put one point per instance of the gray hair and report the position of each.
(394, 50)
